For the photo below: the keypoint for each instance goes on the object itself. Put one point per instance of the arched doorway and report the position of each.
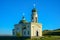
(36, 33)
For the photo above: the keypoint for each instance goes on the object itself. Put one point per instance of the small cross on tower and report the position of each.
(34, 5)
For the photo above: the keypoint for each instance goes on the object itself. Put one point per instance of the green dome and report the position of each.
(23, 21)
(34, 10)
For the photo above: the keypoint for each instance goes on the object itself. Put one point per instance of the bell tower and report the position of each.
(34, 16)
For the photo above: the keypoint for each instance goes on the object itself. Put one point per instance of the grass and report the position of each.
(46, 38)
(25, 38)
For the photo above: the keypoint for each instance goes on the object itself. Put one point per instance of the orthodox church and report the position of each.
(30, 29)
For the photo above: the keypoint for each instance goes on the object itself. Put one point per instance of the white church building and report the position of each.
(28, 29)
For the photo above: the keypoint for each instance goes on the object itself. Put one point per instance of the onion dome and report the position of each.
(23, 20)
(34, 10)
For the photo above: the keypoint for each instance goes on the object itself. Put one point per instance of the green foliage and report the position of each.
(18, 34)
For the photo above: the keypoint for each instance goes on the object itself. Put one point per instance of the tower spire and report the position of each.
(23, 18)
(34, 15)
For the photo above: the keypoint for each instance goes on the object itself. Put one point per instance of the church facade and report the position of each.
(30, 29)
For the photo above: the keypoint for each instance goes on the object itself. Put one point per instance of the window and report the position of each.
(28, 32)
(13, 32)
(28, 26)
(36, 19)
(18, 29)
(24, 28)
(24, 32)
(32, 17)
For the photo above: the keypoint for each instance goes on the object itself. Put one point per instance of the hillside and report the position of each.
(51, 32)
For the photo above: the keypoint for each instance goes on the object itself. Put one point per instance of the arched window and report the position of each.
(13, 31)
(18, 29)
(24, 32)
(36, 19)
(28, 32)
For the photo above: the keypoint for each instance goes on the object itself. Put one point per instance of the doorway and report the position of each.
(36, 33)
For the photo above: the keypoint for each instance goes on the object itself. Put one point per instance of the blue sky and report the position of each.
(11, 12)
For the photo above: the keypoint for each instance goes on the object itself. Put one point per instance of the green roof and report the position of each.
(34, 10)
(23, 21)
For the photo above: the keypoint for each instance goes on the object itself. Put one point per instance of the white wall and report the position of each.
(36, 27)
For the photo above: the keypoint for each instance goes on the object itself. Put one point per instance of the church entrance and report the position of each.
(36, 33)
